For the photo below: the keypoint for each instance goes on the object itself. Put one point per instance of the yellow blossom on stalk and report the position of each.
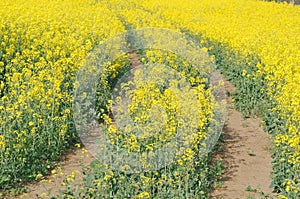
(244, 73)
(275, 42)
(44, 43)
(53, 171)
(77, 145)
(143, 195)
(2, 142)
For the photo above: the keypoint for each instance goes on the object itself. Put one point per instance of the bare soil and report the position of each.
(245, 155)
(49, 185)
(73, 162)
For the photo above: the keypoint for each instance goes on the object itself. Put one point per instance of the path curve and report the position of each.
(245, 155)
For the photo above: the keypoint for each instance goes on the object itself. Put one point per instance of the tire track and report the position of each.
(245, 155)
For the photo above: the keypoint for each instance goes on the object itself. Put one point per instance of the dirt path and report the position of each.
(49, 185)
(245, 155)
(71, 163)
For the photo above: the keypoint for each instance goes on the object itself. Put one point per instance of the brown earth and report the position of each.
(72, 162)
(49, 185)
(245, 155)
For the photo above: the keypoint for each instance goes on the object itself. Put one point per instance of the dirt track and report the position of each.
(245, 155)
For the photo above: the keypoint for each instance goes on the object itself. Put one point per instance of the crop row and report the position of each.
(44, 43)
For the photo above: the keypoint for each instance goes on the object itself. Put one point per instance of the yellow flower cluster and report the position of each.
(267, 30)
(159, 106)
(42, 45)
(170, 98)
(2, 142)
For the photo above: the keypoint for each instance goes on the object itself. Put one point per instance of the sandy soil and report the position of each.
(49, 185)
(245, 155)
